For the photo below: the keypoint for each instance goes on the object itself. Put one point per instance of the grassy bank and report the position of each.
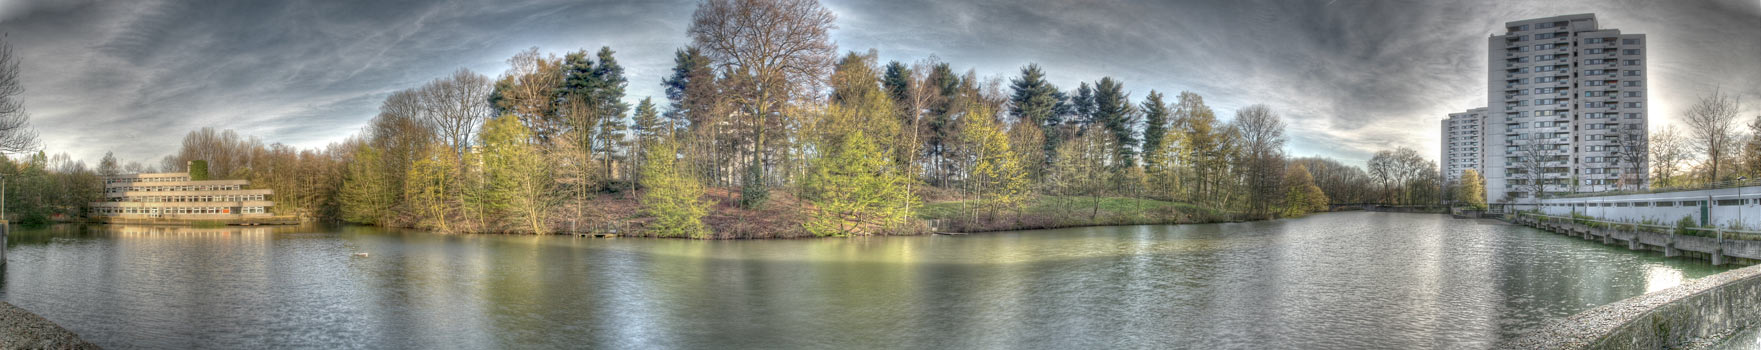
(1058, 211)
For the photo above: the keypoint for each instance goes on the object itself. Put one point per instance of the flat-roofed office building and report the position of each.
(175, 196)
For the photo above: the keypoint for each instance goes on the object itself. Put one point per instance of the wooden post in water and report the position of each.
(3, 230)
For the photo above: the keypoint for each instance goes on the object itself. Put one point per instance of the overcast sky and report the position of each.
(1350, 77)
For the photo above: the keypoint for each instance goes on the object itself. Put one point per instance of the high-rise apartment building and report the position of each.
(1566, 109)
(1464, 136)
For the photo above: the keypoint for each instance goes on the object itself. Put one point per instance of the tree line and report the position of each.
(763, 116)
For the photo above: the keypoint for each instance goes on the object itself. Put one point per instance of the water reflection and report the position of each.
(1661, 277)
(1349, 280)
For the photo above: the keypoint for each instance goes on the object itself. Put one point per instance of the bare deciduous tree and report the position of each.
(455, 105)
(1262, 140)
(771, 51)
(1531, 157)
(1713, 122)
(16, 135)
(1669, 152)
(1632, 152)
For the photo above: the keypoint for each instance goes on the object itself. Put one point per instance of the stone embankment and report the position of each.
(1698, 313)
(20, 329)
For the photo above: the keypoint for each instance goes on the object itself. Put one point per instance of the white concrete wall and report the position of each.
(1625, 207)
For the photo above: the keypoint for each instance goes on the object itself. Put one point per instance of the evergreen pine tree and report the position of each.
(1035, 100)
(1112, 110)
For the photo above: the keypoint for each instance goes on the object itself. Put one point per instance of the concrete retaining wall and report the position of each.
(1718, 250)
(1704, 311)
(1740, 206)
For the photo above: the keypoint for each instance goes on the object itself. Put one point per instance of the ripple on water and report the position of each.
(1344, 280)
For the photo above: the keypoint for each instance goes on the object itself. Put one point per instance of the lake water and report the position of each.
(1341, 280)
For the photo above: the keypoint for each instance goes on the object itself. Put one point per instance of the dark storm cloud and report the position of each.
(132, 77)
(1351, 77)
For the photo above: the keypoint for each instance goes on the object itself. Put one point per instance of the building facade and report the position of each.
(1566, 109)
(176, 196)
(1464, 136)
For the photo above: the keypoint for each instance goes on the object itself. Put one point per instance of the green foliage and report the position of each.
(1301, 196)
(673, 197)
(1155, 133)
(519, 178)
(855, 190)
(366, 196)
(38, 190)
(647, 123)
(1471, 190)
(198, 170)
(1035, 100)
(1112, 109)
(1685, 226)
(690, 90)
(997, 176)
(1080, 169)
(427, 187)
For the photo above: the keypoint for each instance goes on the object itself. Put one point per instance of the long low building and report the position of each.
(176, 196)
(1734, 207)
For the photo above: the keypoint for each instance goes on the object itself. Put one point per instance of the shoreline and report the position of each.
(22, 329)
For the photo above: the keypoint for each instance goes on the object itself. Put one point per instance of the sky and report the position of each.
(1349, 77)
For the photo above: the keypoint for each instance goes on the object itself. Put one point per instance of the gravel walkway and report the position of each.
(20, 329)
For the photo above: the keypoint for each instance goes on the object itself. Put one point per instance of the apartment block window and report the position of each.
(1630, 52)
(1632, 94)
(1632, 62)
(1632, 83)
(1632, 73)
(1629, 41)
(1634, 104)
